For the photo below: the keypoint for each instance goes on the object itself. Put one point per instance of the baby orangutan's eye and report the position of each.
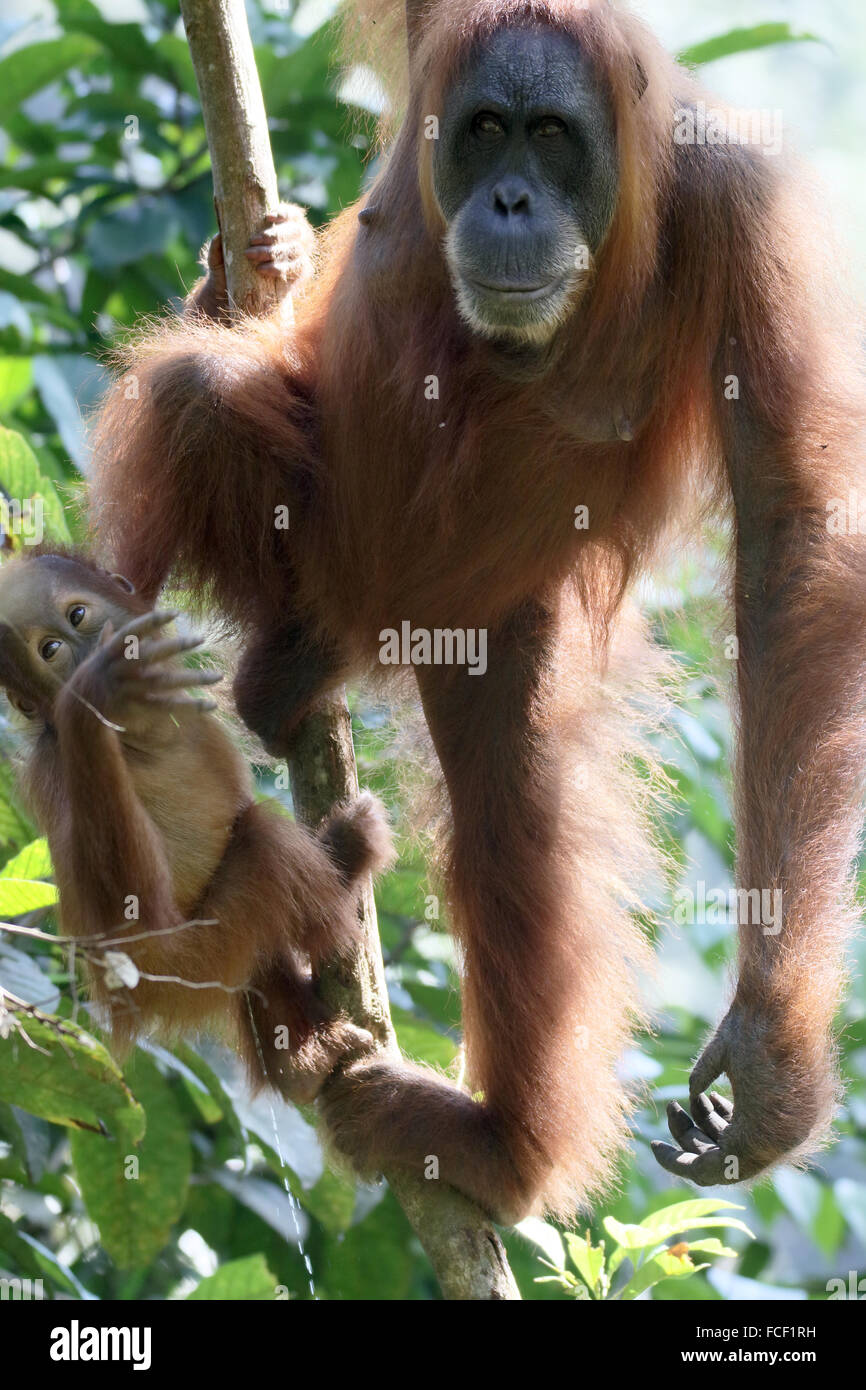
(49, 649)
(76, 614)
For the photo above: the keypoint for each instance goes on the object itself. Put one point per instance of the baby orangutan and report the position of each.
(223, 905)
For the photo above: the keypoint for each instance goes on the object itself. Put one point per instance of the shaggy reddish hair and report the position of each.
(459, 513)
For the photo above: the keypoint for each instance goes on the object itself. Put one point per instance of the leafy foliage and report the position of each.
(642, 1247)
(743, 41)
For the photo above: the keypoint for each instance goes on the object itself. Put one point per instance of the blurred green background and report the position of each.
(105, 199)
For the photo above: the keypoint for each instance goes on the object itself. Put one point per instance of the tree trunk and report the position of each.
(464, 1248)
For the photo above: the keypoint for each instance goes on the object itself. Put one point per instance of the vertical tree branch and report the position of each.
(244, 178)
(463, 1246)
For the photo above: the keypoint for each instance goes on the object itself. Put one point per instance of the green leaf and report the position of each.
(136, 1206)
(687, 1216)
(31, 1259)
(201, 1083)
(300, 76)
(16, 379)
(743, 41)
(33, 861)
(30, 293)
(21, 479)
(202, 1099)
(15, 829)
(18, 896)
(403, 891)
(828, 1229)
(239, 1280)
(128, 234)
(67, 1077)
(588, 1260)
(67, 383)
(331, 1201)
(712, 1246)
(35, 175)
(127, 43)
(661, 1266)
(374, 1255)
(668, 1222)
(440, 1002)
(420, 1041)
(29, 69)
(630, 1237)
(173, 51)
(546, 1238)
(15, 1254)
(19, 891)
(12, 1134)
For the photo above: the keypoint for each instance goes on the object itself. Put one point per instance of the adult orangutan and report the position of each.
(549, 300)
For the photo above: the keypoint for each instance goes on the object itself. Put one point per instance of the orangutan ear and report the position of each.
(125, 584)
(25, 707)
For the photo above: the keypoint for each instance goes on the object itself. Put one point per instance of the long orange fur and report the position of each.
(459, 513)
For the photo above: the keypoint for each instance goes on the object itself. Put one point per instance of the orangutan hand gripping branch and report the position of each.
(221, 905)
(549, 300)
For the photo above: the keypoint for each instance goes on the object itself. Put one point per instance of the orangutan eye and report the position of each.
(486, 123)
(76, 614)
(49, 649)
(551, 125)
